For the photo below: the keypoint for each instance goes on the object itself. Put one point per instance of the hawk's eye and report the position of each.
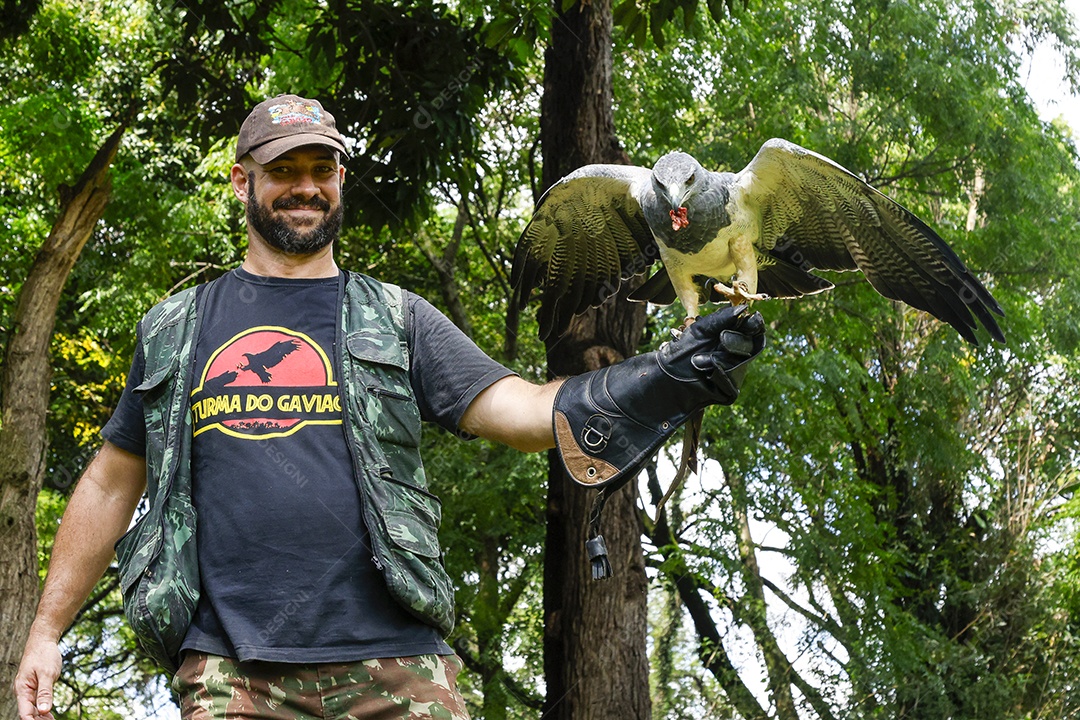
(690, 181)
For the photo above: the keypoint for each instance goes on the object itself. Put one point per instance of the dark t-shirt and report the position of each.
(285, 563)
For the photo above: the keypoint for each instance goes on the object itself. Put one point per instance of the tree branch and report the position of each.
(710, 643)
(445, 266)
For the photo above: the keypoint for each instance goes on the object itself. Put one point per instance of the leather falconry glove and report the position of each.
(609, 422)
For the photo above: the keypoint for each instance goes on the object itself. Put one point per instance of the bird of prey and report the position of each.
(259, 363)
(763, 230)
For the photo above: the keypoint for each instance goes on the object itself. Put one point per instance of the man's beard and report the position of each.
(279, 235)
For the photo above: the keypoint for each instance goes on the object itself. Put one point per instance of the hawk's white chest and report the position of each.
(717, 259)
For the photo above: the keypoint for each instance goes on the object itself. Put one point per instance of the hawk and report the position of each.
(763, 230)
(261, 362)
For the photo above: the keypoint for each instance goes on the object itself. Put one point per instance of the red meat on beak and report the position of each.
(678, 219)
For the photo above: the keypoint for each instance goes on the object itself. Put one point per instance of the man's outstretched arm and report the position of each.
(98, 513)
(608, 422)
(514, 412)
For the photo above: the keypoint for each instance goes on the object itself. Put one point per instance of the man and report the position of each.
(289, 565)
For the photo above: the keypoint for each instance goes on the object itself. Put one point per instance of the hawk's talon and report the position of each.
(739, 293)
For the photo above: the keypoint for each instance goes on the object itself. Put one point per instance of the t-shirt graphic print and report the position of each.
(265, 382)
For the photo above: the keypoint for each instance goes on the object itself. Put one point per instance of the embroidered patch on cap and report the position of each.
(284, 122)
(295, 113)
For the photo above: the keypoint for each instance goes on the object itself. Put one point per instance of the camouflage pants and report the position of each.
(411, 688)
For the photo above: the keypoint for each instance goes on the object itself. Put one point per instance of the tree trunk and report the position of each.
(488, 623)
(595, 661)
(24, 389)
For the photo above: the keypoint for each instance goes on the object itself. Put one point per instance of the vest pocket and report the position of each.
(380, 365)
(159, 579)
(156, 378)
(156, 382)
(136, 548)
(408, 534)
(415, 575)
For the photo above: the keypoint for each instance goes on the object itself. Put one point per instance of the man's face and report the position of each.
(294, 201)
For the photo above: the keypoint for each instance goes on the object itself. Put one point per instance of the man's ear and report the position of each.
(240, 186)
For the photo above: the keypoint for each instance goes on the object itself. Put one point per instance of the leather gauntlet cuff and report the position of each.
(609, 422)
(602, 440)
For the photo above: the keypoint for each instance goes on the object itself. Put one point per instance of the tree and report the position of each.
(24, 390)
(595, 660)
(594, 635)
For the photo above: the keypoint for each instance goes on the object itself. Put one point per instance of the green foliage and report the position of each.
(405, 81)
(647, 21)
(910, 477)
(17, 15)
(493, 535)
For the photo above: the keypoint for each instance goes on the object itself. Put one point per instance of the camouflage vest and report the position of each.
(159, 569)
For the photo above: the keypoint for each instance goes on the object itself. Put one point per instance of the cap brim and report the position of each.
(275, 148)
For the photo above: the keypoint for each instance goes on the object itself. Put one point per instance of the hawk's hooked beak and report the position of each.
(679, 219)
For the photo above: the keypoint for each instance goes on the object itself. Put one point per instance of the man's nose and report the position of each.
(304, 185)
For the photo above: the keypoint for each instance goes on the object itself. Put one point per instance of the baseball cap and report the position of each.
(284, 122)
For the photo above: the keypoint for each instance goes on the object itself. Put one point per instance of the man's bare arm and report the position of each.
(514, 412)
(98, 513)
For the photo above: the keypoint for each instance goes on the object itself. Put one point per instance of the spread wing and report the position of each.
(816, 214)
(587, 236)
(274, 354)
(260, 362)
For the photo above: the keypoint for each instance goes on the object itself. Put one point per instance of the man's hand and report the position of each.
(34, 682)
